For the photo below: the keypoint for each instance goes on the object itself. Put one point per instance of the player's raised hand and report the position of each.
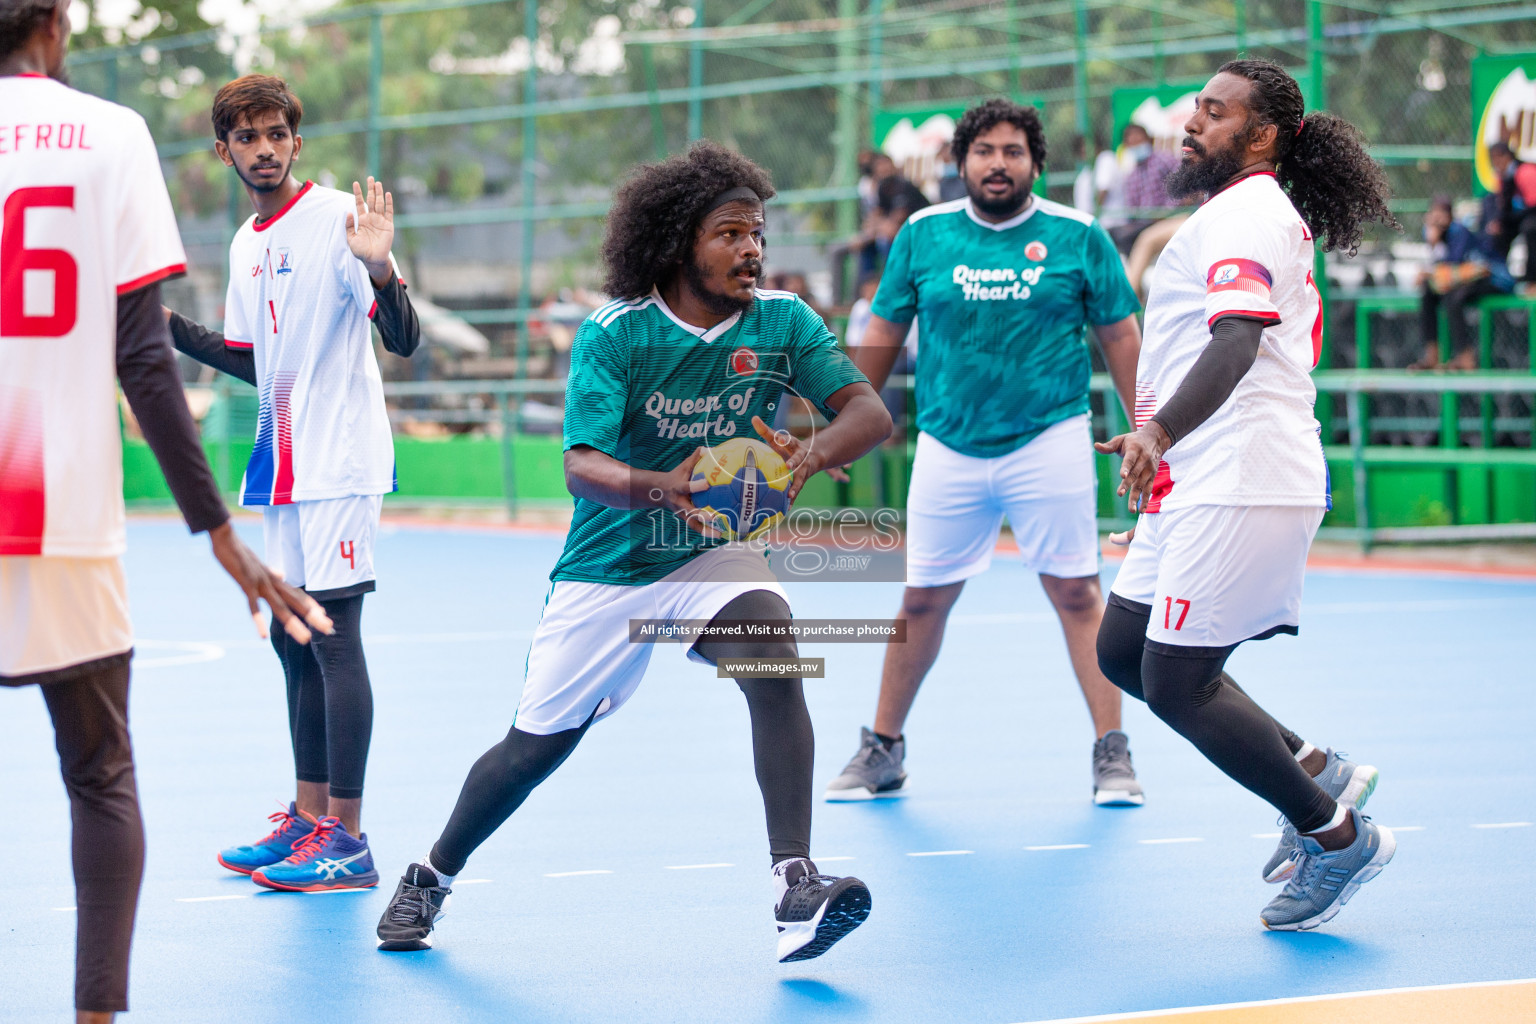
(1140, 451)
(371, 230)
(801, 458)
(288, 604)
(677, 491)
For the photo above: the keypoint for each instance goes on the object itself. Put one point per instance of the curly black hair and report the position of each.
(1321, 159)
(655, 216)
(989, 115)
(19, 19)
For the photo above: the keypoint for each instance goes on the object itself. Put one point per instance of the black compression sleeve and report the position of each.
(1232, 350)
(208, 347)
(146, 367)
(396, 318)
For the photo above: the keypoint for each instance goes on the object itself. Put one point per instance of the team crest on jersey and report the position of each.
(1225, 274)
(284, 261)
(1036, 251)
(744, 362)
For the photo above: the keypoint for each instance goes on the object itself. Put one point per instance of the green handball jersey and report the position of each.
(1001, 310)
(647, 389)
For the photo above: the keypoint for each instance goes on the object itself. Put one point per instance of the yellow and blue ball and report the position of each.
(747, 490)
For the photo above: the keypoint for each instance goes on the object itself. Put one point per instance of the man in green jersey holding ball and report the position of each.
(1002, 284)
(690, 354)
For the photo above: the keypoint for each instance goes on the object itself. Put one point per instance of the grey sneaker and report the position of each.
(1325, 880)
(873, 771)
(1349, 783)
(1114, 780)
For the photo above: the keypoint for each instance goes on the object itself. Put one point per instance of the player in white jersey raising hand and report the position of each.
(1226, 466)
(87, 235)
(307, 273)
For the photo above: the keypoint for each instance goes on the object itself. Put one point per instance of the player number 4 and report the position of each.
(1168, 603)
(17, 263)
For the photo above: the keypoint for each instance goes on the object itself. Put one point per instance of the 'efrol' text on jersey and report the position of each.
(991, 283)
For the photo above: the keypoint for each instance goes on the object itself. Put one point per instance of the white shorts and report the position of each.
(1216, 575)
(324, 545)
(582, 660)
(1047, 488)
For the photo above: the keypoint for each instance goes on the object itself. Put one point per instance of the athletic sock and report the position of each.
(444, 880)
(887, 741)
(1306, 748)
(1340, 812)
(789, 871)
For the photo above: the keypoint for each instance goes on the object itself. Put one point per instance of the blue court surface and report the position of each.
(633, 886)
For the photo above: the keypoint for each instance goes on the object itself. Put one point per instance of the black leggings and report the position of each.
(330, 701)
(1187, 688)
(782, 750)
(90, 724)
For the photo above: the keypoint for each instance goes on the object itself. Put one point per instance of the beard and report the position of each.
(256, 187)
(1004, 206)
(697, 279)
(1209, 172)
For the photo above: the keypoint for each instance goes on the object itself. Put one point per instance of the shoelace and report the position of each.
(1309, 868)
(310, 845)
(413, 904)
(282, 818)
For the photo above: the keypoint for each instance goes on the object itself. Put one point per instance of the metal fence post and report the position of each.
(696, 74)
(1080, 65)
(504, 402)
(530, 167)
(1361, 478)
(375, 89)
(1317, 81)
(876, 81)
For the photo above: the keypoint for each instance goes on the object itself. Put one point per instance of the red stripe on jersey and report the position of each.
(282, 480)
(174, 270)
(286, 207)
(1162, 484)
(244, 346)
(373, 309)
(23, 493)
(1269, 318)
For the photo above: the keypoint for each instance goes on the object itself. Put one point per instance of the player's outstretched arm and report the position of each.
(210, 348)
(597, 476)
(862, 422)
(877, 351)
(371, 230)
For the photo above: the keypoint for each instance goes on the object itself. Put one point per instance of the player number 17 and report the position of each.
(1168, 603)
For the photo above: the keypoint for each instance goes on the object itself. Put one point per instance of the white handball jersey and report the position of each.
(302, 301)
(84, 218)
(1246, 250)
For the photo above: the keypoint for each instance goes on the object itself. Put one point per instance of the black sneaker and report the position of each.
(816, 910)
(416, 905)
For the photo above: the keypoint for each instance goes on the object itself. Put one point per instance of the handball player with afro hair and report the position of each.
(689, 354)
(1226, 464)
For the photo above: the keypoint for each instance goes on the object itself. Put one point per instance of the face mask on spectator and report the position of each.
(1141, 151)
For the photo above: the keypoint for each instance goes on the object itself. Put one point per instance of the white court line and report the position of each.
(1404, 828)
(471, 881)
(1505, 824)
(1060, 846)
(1267, 835)
(941, 853)
(1163, 842)
(573, 874)
(192, 652)
(827, 860)
(695, 867)
(211, 899)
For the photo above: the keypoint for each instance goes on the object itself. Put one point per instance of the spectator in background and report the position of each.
(1146, 196)
(1109, 187)
(1083, 198)
(796, 282)
(951, 185)
(1464, 268)
(895, 398)
(1515, 209)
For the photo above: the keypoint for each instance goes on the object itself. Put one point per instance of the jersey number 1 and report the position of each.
(16, 261)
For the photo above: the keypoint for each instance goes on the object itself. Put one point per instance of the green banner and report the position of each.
(1163, 109)
(913, 137)
(1503, 109)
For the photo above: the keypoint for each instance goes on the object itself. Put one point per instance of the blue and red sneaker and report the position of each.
(329, 858)
(292, 826)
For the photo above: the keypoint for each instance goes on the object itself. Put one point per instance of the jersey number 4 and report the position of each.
(17, 263)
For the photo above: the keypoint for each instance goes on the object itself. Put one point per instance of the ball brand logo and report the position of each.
(743, 362)
(1036, 251)
(284, 261)
(1225, 274)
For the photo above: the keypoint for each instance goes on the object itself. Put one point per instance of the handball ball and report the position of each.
(747, 487)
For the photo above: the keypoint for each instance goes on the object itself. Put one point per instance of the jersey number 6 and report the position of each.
(16, 260)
